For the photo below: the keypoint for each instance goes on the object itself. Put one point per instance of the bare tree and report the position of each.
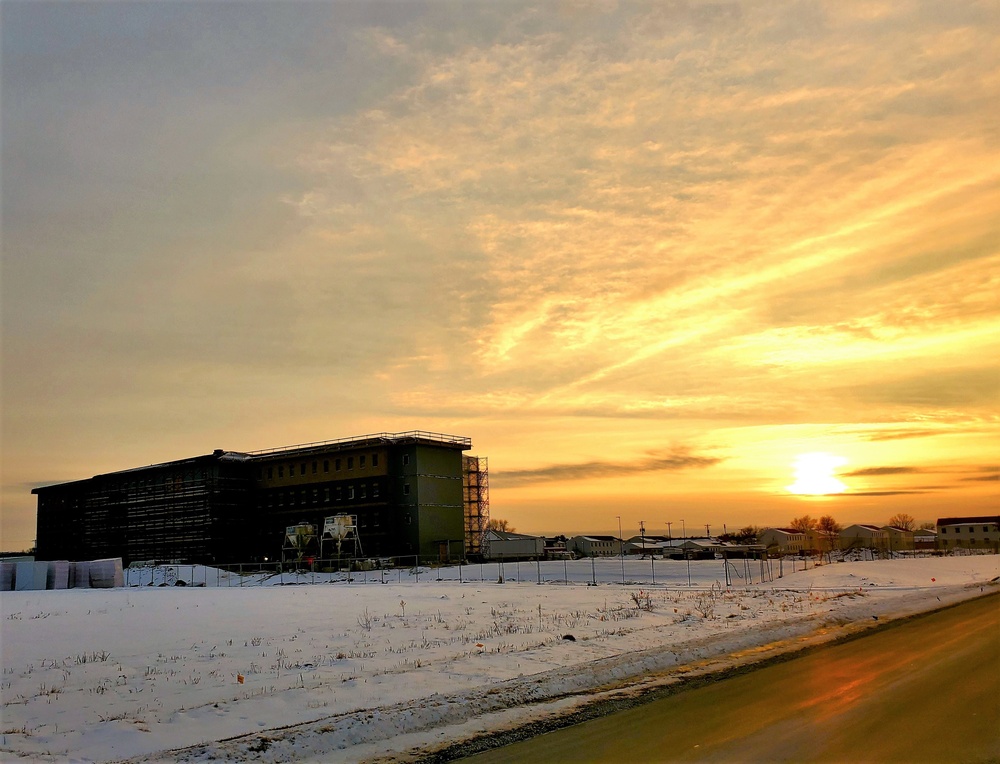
(827, 524)
(803, 524)
(928, 526)
(903, 520)
(747, 535)
(499, 524)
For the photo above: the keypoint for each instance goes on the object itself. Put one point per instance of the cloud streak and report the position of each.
(602, 469)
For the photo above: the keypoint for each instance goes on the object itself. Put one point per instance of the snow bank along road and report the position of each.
(842, 702)
(338, 672)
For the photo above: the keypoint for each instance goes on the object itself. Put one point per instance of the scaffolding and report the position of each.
(192, 509)
(476, 500)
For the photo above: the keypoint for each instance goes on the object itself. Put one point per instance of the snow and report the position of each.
(354, 670)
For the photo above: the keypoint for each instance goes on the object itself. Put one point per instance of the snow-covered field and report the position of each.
(243, 669)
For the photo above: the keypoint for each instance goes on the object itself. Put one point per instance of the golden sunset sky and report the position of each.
(646, 255)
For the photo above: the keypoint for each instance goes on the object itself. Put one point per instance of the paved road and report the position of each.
(927, 690)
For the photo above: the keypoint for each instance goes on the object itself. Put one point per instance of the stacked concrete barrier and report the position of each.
(7, 576)
(79, 575)
(30, 576)
(58, 575)
(107, 574)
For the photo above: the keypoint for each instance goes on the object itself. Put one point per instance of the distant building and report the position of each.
(504, 545)
(863, 536)
(782, 540)
(646, 545)
(969, 532)
(595, 546)
(924, 538)
(900, 539)
(822, 541)
(556, 548)
(411, 493)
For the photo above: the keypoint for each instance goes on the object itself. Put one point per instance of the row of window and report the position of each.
(958, 543)
(313, 467)
(337, 494)
(958, 529)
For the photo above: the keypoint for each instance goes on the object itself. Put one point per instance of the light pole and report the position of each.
(669, 538)
(652, 563)
(621, 547)
(686, 557)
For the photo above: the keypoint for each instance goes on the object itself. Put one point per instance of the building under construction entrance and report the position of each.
(409, 494)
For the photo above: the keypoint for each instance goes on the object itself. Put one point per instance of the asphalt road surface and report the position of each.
(926, 690)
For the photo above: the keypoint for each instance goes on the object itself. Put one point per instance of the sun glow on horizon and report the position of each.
(814, 474)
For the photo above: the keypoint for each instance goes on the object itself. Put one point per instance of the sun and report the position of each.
(814, 474)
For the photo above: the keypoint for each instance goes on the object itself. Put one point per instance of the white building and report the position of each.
(503, 545)
(900, 539)
(863, 536)
(969, 533)
(595, 546)
(782, 540)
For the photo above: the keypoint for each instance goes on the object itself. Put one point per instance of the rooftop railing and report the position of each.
(386, 437)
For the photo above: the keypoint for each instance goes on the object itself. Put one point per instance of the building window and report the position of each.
(364, 491)
(291, 498)
(406, 489)
(326, 465)
(406, 459)
(281, 500)
(350, 462)
(350, 492)
(270, 474)
(374, 460)
(326, 495)
(336, 464)
(314, 468)
(340, 493)
(281, 470)
(361, 461)
(375, 490)
(302, 496)
(302, 468)
(315, 495)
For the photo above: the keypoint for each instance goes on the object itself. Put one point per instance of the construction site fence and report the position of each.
(631, 570)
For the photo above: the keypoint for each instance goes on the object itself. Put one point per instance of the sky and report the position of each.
(647, 256)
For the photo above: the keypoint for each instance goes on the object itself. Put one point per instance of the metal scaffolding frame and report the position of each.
(476, 500)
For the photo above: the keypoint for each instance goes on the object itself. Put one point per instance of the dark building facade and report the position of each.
(408, 492)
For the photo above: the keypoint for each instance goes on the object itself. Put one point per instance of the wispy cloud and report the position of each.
(600, 469)
(623, 230)
(877, 493)
(867, 471)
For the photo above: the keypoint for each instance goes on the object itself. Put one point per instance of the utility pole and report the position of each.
(621, 547)
(669, 538)
(708, 533)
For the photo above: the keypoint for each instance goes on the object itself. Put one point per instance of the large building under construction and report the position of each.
(406, 494)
